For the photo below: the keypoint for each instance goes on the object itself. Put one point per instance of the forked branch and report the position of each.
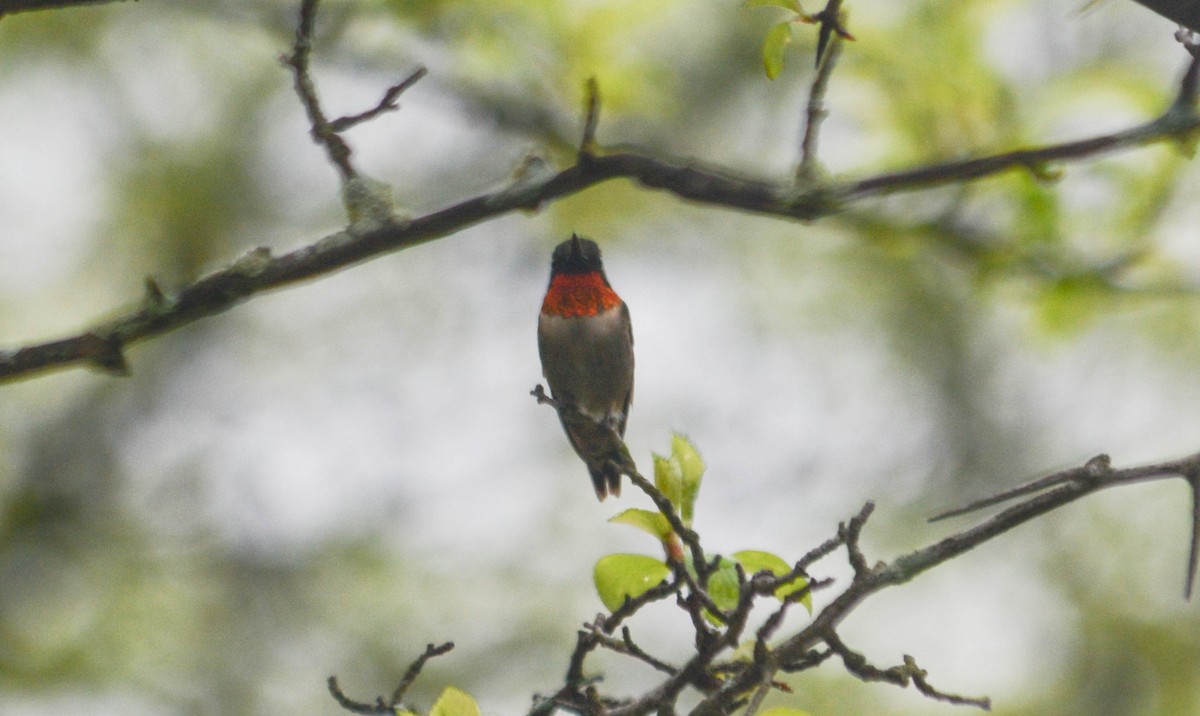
(103, 345)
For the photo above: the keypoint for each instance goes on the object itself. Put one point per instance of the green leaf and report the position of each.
(774, 43)
(454, 702)
(793, 5)
(692, 468)
(648, 521)
(690, 462)
(723, 588)
(668, 477)
(618, 576)
(755, 561)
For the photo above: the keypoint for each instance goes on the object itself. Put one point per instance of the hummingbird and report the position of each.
(585, 341)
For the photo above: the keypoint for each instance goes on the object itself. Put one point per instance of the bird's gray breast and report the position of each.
(588, 360)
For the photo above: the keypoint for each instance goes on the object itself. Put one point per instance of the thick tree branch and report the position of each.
(258, 271)
(1184, 12)
(103, 346)
(8, 7)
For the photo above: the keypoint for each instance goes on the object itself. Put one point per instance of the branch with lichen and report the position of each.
(375, 230)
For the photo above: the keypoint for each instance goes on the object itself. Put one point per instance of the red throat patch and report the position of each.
(580, 294)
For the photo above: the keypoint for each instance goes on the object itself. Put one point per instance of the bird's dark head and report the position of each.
(576, 255)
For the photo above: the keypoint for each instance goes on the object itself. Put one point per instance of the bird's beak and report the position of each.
(576, 248)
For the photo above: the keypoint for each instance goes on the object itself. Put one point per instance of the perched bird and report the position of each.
(585, 341)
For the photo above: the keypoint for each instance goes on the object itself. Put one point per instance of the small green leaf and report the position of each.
(793, 5)
(454, 702)
(688, 456)
(755, 561)
(692, 468)
(723, 587)
(774, 43)
(647, 521)
(618, 576)
(668, 477)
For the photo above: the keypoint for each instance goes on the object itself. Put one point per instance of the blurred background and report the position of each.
(325, 479)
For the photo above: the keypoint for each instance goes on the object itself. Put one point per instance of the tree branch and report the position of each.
(815, 113)
(734, 683)
(9, 7)
(393, 704)
(1184, 12)
(1064, 487)
(103, 346)
(258, 271)
(326, 132)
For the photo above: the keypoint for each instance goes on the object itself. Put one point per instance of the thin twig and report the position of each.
(349, 704)
(858, 665)
(629, 468)
(387, 707)
(917, 674)
(699, 598)
(414, 669)
(815, 113)
(389, 103)
(625, 645)
(850, 532)
(324, 131)
(831, 28)
(798, 648)
(625, 463)
(591, 119)
(633, 604)
(808, 660)
(585, 642)
(306, 90)
(819, 552)
(1192, 475)
(1186, 99)
(1094, 467)
(902, 675)
(760, 694)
